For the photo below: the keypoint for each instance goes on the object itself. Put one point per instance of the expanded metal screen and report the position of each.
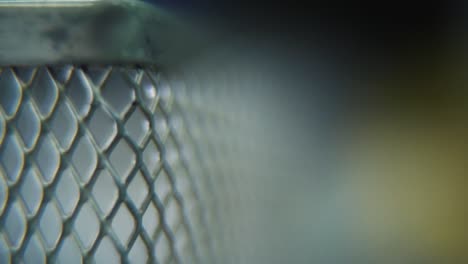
(115, 146)
(109, 164)
(130, 133)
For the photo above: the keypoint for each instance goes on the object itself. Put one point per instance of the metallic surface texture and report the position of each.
(112, 164)
(104, 158)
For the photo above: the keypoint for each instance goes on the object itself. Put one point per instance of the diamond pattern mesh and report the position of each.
(111, 164)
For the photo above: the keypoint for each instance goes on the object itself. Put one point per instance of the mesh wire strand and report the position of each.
(111, 164)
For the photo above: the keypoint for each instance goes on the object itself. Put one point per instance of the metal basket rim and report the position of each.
(93, 31)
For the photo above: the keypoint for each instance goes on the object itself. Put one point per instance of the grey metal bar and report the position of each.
(92, 31)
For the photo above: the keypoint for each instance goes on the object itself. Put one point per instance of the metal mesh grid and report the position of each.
(112, 164)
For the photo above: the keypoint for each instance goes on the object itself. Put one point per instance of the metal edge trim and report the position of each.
(92, 31)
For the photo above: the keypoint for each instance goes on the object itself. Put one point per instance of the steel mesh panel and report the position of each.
(112, 164)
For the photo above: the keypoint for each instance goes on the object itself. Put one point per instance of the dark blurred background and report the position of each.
(367, 106)
(376, 25)
(359, 41)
